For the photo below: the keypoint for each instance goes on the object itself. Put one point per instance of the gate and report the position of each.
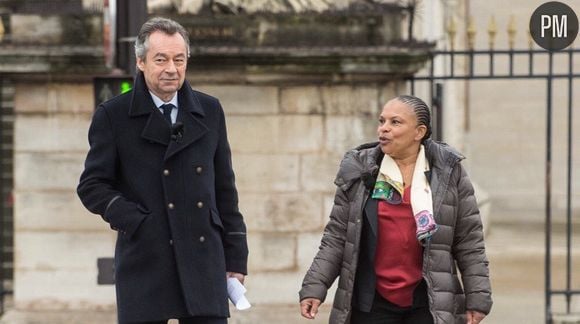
(488, 58)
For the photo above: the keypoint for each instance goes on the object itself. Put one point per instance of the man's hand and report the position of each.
(309, 307)
(474, 317)
(236, 275)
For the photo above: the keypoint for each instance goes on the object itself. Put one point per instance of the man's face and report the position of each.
(164, 64)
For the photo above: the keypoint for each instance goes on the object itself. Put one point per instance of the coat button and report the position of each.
(170, 242)
(199, 204)
(170, 206)
(198, 170)
(165, 172)
(202, 239)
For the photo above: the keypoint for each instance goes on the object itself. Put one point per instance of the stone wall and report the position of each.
(57, 241)
(287, 142)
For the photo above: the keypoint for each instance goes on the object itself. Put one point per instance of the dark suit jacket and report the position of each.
(173, 203)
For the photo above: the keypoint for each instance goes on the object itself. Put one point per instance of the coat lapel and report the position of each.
(436, 189)
(156, 129)
(191, 114)
(371, 213)
(441, 164)
(371, 207)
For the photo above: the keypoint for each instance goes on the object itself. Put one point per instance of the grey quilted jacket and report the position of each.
(458, 244)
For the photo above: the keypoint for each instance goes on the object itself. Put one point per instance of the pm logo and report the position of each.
(558, 25)
(554, 26)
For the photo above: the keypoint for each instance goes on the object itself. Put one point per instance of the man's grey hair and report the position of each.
(421, 111)
(163, 25)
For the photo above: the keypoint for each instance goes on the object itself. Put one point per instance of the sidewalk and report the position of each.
(516, 257)
(283, 314)
(517, 263)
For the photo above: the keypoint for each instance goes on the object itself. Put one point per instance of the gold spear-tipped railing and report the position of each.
(471, 32)
(512, 31)
(492, 31)
(451, 32)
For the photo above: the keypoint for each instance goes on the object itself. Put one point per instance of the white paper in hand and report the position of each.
(236, 293)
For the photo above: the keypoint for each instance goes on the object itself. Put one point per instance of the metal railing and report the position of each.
(482, 65)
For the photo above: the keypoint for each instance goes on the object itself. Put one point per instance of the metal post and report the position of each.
(452, 64)
(131, 14)
(549, 191)
(569, 190)
(471, 58)
(2, 197)
(439, 116)
(411, 9)
(511, 62)
(491, 59)
(434, 108)
(531, 63)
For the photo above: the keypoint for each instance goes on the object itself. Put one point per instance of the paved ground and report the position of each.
(517, 266)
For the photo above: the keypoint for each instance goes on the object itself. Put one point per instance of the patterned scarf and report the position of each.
(389, 187)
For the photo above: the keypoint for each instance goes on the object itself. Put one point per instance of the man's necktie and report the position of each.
(167, 112)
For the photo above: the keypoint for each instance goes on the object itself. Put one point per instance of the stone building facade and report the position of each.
(294, 104)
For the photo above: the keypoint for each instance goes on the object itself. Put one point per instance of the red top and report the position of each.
(398, 258)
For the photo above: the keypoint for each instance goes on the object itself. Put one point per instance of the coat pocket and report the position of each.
(141, 227)
(125, 216)
(216, 220)
(143, 209)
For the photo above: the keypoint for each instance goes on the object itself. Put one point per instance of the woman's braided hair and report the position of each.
(421, 111)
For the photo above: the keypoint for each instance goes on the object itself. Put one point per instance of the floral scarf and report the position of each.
(389, 187)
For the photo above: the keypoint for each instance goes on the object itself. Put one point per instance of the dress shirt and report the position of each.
(158, 103)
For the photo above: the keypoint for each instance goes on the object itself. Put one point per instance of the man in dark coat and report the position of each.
(159, 172)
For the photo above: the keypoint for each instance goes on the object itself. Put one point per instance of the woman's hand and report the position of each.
(474, 317)
(309, 307)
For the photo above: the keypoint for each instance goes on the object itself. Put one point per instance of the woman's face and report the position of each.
(399, 134)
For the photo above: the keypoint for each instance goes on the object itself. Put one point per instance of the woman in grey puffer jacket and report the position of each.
(385, 278)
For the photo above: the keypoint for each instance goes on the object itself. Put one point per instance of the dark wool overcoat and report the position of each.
(173, 202)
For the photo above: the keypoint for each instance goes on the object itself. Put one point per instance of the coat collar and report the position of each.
(157, 129)
(142, 104)
(442, 159)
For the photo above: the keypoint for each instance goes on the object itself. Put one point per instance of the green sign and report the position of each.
(105, 88)
(126, 86)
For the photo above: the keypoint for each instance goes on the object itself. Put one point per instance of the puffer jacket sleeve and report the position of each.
(469, 247)
(326, 265)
